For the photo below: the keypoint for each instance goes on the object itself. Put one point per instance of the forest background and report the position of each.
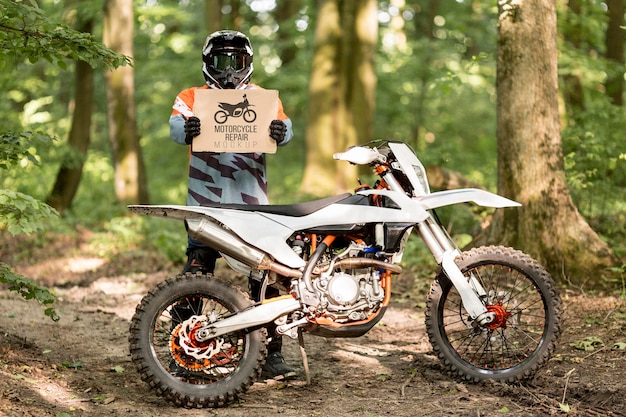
(434, 87)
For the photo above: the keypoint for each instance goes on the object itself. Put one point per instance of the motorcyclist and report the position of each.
(227, 177)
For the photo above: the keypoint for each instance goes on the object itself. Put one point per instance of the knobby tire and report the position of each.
(224, 377)
(529, 308)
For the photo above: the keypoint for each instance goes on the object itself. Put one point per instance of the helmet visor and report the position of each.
(222, 62)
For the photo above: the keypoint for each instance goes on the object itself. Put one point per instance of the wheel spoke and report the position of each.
(508, 344)
(522, 313)
(165, 342)
(197, 367)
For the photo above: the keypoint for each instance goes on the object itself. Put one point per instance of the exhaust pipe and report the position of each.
(219, 238)
(355, 263)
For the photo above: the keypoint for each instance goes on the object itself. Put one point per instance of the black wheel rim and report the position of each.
(519, 329)
(225, 353)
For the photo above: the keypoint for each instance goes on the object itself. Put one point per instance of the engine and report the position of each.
(347, 297)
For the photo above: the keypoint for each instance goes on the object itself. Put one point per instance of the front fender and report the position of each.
(465, 195)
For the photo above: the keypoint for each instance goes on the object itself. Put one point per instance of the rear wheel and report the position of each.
(527, 311)
(220, 117)
(182, 369)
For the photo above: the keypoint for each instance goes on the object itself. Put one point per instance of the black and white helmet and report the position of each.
(227, 59)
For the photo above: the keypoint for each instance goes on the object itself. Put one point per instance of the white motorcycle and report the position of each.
(492, 312)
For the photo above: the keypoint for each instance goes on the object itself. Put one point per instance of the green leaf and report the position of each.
(564, 407)
(619, 346)
(588, 343)
(29, 289)
(21, 213)
(29, 33)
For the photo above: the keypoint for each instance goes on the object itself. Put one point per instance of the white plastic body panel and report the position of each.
(465, 195)
(269, 232)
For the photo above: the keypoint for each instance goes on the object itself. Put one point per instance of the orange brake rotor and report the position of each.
(191, 363)
(182, 358)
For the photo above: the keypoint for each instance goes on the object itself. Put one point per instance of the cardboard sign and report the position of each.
(235, 120)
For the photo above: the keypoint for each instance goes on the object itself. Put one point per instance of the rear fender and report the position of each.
(172, 212)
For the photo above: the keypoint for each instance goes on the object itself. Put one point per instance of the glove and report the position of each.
(278, 130)
(192, 129)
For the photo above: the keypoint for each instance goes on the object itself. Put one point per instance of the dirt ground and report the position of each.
(80, 366)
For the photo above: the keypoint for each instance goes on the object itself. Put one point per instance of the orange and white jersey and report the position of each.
(222, 177)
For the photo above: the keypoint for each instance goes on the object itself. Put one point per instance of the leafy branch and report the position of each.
(15, 146)
(29, 289)
(26, 31)
(21, 213)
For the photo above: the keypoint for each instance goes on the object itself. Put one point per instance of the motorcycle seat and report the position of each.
(294, 210)
(228, 107)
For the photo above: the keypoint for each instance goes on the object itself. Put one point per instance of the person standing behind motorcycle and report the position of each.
(227, 177)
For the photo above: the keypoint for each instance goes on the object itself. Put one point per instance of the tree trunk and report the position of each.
(424, 23)
(615, 51)
(341, 92)
(444, 179)
(530, 162)
(573, 95)
(130, 174)
(68, 177)
(285, 13)
(213, 15)
(236, 19)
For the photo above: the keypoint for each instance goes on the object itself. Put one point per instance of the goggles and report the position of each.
(220, 63)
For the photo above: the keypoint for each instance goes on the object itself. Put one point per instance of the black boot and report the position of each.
(200, 260)
(275, 366)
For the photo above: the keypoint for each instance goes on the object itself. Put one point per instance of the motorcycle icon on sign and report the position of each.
(235, 110)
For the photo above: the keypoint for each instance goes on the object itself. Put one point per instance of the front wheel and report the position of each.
(183, 370)
(249, 115)
(527, 311)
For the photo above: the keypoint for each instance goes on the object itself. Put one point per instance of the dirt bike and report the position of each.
(492, 312)
(235, 110)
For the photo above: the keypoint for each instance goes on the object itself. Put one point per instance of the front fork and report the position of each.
(445, 252)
